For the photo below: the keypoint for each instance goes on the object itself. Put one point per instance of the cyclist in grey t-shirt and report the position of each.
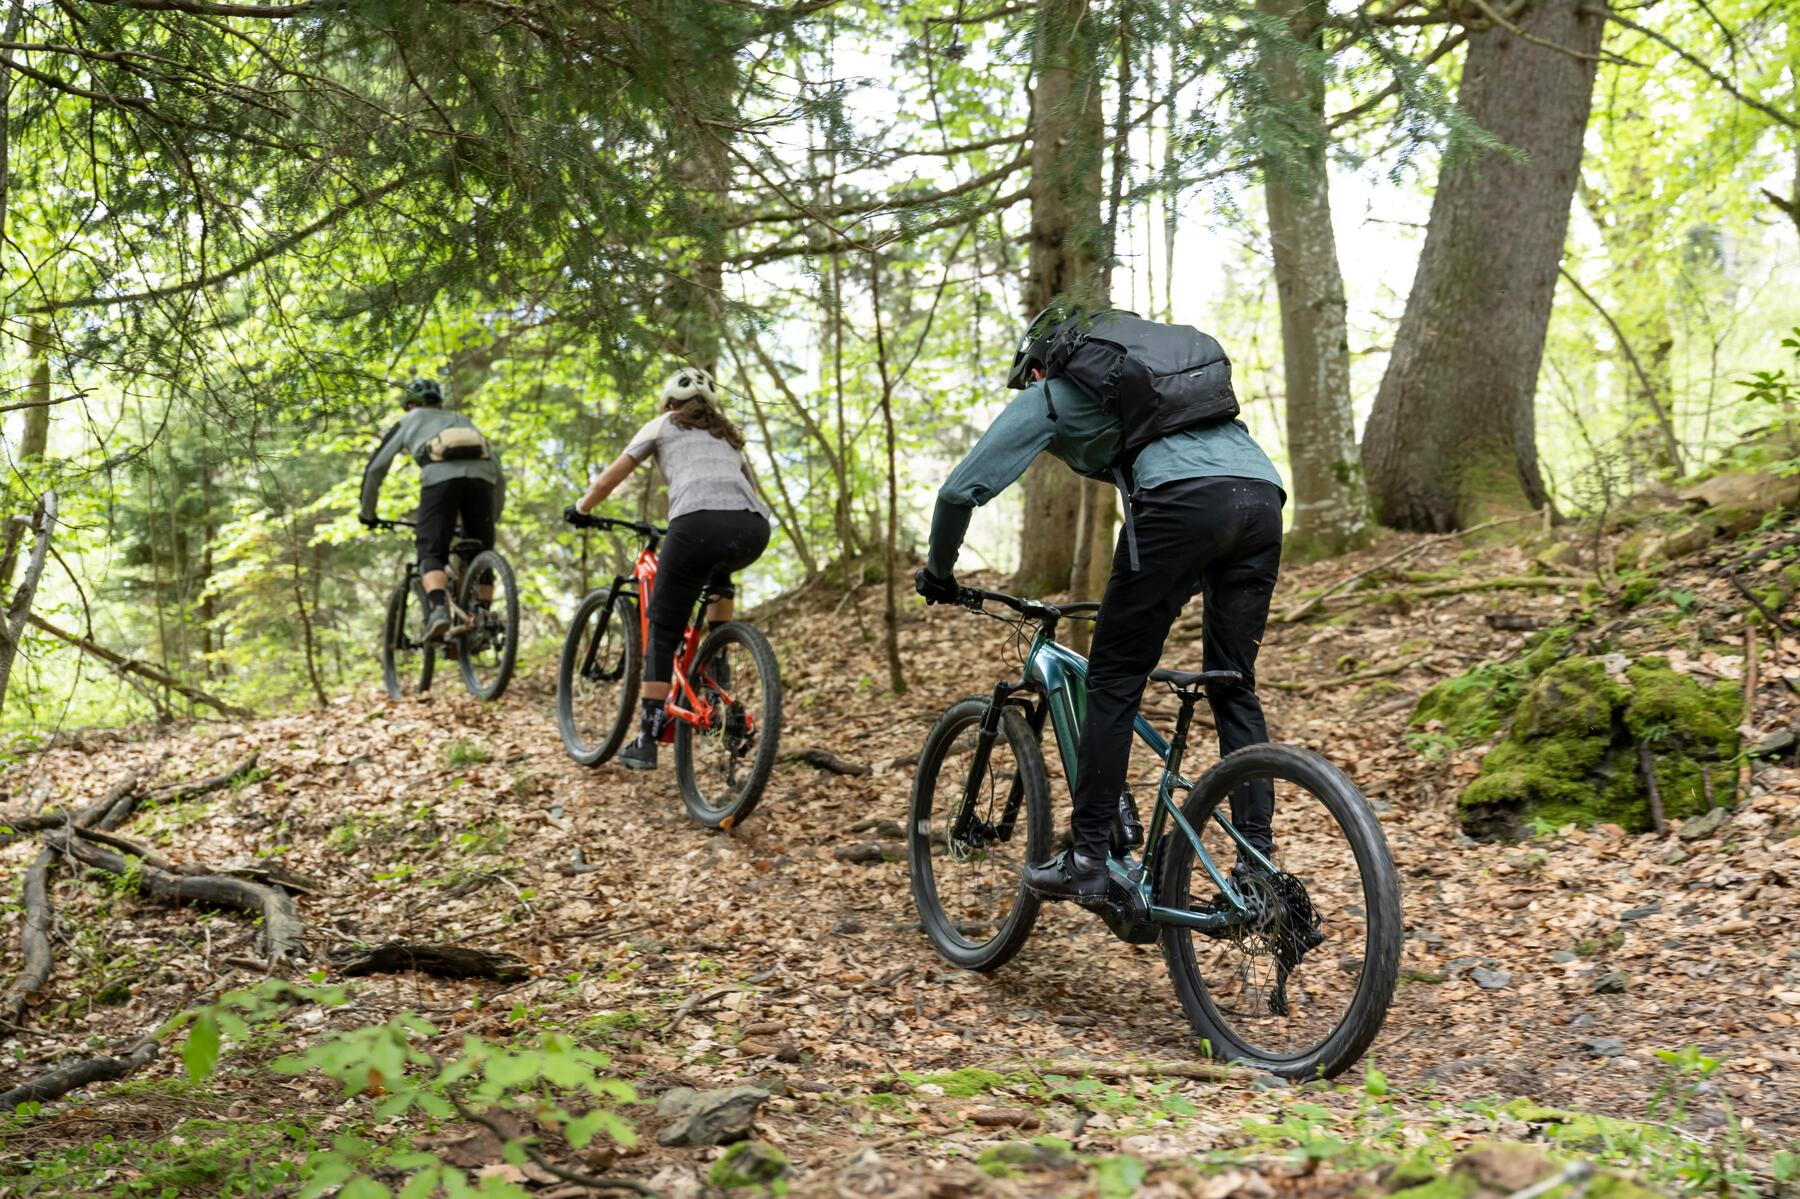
(717, 525)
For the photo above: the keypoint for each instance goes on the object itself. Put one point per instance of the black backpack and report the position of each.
(1158, 379)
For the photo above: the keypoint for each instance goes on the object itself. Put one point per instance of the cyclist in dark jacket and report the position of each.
(460, 479)
(1206, 510)
(717, 525)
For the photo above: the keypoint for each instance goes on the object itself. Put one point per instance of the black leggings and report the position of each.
(697, 557)
(442, 506)
(1221, 537)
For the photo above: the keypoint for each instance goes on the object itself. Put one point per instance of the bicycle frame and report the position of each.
(698, 710)
(1059, 676)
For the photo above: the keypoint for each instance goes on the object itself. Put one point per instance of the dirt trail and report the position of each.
(821, 957)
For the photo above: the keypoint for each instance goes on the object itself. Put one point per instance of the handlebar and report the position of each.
(973, 597)
(384, 523)
(590, 521)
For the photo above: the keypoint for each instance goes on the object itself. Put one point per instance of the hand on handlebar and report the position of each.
(937, 589)
(578, 518)
(369, 522)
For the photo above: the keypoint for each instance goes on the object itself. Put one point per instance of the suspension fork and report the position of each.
(593, 649)
(1015, 795)
(978, 764)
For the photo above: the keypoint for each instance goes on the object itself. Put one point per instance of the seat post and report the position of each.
(1184, 721)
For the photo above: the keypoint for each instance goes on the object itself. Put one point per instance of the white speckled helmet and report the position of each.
(685, 384)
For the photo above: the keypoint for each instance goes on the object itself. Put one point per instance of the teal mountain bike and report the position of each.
(1285, 961)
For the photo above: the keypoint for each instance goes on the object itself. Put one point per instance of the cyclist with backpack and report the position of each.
(717, 525)
(1150, 408)
(460, 479)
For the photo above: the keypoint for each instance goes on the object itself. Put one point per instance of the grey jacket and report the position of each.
(410, 433)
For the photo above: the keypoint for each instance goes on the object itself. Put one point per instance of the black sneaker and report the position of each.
(1064, 877)
(437, 622)
(640, 754)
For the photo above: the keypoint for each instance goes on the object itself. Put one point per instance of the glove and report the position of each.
(936, 590)
(368, 522)
(574, 516)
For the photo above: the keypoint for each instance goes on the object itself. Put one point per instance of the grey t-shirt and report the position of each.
(704, 472)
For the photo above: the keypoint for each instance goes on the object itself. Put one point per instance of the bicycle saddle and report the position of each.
(1187, 679)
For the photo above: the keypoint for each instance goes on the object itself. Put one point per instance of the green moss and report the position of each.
(1636, 590)
(1449, 1186)
(1571, 756)
(1474, 705)
(748, 1164)
(965, 1083)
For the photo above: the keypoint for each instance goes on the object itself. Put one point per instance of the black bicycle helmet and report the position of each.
(423, 392)
(1034, 347)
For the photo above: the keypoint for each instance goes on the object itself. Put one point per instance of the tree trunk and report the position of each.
(43, 527)
(1067, 243)
(34, 438)
(1452, 436)
(1330, 502)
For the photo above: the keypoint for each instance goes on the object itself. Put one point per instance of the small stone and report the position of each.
(1603, 1046)
(1641, 913)
(1490, 980)
(870, 851)
(708, 1117)
(1772, 744)
(1270, 1082)
(1704, 825)
(1456, 966)
(849, 926)
(750, 1164)
(1582, 1021)
(1564, 956)
(788, 1053)
(1672, 855)
(1004, 1117)
(1613, 982)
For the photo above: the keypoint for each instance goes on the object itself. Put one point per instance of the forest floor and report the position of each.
(770, 954)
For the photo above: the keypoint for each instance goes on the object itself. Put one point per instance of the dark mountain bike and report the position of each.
(1286, 961)
(484, 614)
(724, 706)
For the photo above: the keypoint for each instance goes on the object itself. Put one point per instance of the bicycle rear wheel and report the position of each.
(598, 675)
(1302, 987)
(486, 652)
(723, 767)
(407, 662)
(969, 889)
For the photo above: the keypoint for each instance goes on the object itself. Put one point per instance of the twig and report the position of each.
(1374, 672)
(1301, 609)
(60, 1081)
(1647, 764)
(1743, 778)
(695, 1001)
(1772, 617)
(825, 760)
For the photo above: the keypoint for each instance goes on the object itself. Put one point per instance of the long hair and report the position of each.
(697, 412)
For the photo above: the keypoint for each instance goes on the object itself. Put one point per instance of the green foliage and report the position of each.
(461, 754)
(1473, 706)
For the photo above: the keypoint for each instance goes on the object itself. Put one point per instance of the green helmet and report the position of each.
(423, 392)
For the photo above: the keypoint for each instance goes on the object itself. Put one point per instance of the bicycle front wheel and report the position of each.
(723, 766)
(597, 678)
(407, 662)
(487, 650)
(1300, 986)
(971, 832)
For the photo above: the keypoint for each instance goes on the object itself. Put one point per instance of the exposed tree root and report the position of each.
(60, 1081)
(1301, 609)
(445, 961)
(824, 759)
(34, 938)
(283, 935)
(1361, 676)
(1123, 1071)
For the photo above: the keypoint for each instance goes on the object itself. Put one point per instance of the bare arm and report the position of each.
(607, 483)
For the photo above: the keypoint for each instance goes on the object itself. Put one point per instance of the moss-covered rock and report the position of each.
(748, 1164)
(1571, 755)
(1473, 706)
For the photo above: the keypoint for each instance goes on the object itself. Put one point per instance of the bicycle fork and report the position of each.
(963, 830)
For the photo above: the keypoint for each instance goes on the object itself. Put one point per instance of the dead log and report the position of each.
(34, 940)
(824, 759)
(60, 1081)
(444, 961)
(282, 933)
(12, 622)
(143, 670)
(181, 792)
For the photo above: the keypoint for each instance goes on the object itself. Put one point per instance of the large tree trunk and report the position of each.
(1452, 437)
(1067, 241)
(34, 437)
(1330, 502)
(12, 621)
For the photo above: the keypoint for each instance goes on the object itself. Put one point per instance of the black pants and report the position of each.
(697, 557)
(442, 506)
(1221, 537)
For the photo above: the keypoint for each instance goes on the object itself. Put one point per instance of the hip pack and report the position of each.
(1157, 379)
(454, 444)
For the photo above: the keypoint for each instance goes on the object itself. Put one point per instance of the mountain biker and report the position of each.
(460, 479)
(717, 525)
(1206, 514)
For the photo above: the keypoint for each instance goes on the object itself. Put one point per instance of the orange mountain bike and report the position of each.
(724, 708)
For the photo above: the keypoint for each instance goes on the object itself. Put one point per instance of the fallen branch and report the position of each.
(1774, 618)
(1374, 672)
(1305, 606)
(282, 933)
(1647, 764)
(181, 792)
(824, 759)
(60, 1081)
(444, 961)
(1743, 778)
(1438, 591)
(133, 666)
(34, 940)
(698, 1000)
(1124, 1071)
